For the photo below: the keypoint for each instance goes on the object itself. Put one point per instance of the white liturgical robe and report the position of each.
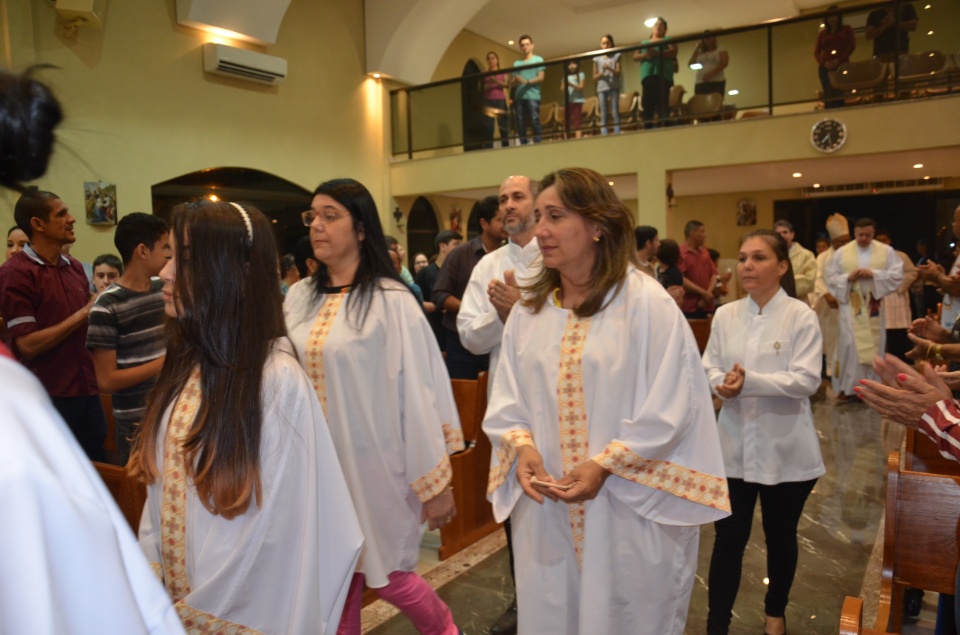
(70, 562)
(624, 387)
(862, 332)
(283, 567)
(478, 323)
(828, 316)
(767, 430)
(389, 403)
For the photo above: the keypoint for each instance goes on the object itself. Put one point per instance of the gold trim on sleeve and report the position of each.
(510, 444)
(674, 479)
(453, 437)
(434, 482)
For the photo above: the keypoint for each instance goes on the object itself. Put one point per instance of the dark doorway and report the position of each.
(471, 100)
(278, 198)
(422, 229)
(908, 217)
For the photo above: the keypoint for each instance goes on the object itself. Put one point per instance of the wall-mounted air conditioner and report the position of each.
(243, 64)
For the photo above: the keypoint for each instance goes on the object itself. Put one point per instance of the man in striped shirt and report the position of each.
(126, 327)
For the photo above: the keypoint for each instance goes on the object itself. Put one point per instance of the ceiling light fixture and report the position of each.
(797, 175)
(509, 42)
(917, 165)
(816, 185)
(929, 32)
(696, 66)
(214, 198)
(649, 22)
(611, 183)
(733, 92)
(376, 75)
(927, 7)
(926, 178)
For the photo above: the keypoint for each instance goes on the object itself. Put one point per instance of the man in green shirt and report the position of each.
(526, 92)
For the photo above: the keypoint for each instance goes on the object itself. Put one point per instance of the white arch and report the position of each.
(405, 39)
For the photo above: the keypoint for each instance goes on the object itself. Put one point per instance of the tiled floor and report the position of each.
(837, 535)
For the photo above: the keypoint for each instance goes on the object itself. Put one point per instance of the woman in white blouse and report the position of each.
(763, 359)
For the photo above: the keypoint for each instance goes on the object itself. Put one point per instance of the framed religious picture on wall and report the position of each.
(746, 212)
(100, 201)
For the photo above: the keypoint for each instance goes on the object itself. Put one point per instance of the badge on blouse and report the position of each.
(776, 347)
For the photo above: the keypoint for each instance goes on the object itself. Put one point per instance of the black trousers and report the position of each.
(781, 506)
(84, 417)
(655, 100)
(461, 363)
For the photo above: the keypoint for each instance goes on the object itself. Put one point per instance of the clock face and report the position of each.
(828, 135)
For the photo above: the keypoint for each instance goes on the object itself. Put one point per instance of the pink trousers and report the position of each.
(408, 592)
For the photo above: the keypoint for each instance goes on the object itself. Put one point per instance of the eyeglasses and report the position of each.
(327, 216)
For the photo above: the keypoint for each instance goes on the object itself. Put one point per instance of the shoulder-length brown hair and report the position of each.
(230, 315)
(588, 193)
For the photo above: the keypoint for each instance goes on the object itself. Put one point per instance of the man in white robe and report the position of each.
(493, 287)
(823, 302)
(70, 563)
(859, 275)
(802, 260)
(623, 563)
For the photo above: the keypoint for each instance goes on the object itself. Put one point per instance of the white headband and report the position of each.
(246, 220)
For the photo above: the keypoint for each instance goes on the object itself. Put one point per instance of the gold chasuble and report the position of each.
(864, 308)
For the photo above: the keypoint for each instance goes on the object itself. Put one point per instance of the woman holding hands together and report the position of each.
(763, 359)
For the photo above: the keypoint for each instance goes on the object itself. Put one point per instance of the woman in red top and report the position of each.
(835, 44)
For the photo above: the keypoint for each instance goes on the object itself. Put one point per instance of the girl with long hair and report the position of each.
(248, 519)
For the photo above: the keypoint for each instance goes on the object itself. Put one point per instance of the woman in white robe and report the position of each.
(374, 363)
(606, 454)
(763, 360)
(248, 519)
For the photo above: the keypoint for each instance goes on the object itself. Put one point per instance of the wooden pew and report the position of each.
(474, 518)
(701, 332)
(130, 495)
(851, 618)
(920, 538)
(922, 455)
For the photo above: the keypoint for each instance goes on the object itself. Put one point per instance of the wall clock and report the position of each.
(828, 135)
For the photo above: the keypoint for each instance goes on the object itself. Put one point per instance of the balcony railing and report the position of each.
(771, 70)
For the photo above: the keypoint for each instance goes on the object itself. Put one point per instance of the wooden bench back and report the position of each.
(701, 332)
(920, 537)
(130, 495)
(471, 398)
(922, 455)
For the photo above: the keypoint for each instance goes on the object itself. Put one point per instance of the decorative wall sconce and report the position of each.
(398, 217)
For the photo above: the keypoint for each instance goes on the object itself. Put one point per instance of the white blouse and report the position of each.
(767, 432)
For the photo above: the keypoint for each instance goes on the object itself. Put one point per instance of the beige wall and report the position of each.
(468, 45)
(140, 109)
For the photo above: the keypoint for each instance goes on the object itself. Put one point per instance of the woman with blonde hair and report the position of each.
(248, 520)
(606, 456)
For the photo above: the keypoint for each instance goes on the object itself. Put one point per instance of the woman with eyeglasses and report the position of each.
(374, 363)
(248, 519)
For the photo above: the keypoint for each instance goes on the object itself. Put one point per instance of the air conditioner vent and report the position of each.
(243, 64)
(876, 187)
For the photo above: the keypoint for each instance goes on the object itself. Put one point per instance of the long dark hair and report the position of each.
(374, 260)
(230, 315)
(781, 251)
(834, 11)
